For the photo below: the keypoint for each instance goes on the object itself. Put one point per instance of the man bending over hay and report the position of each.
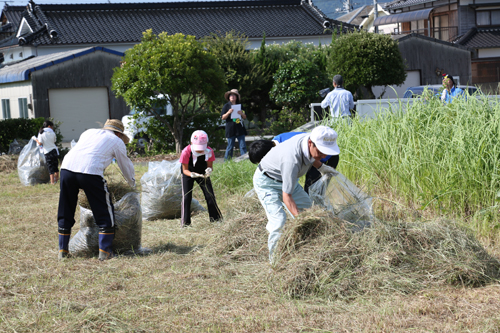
(83, 168)
(276, 179)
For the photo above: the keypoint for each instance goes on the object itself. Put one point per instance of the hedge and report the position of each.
(20, 128)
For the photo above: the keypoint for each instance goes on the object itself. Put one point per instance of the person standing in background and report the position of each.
(234, 126)
(47, 141)
(339, 100)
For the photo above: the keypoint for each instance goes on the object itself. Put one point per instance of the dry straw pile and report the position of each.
(243, 236)
(117, 189)
(319, 254)
(8, 163)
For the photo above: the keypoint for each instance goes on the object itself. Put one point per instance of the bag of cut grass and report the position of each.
(162, 191)
(340, 196)
(31, 165)
(128, 231)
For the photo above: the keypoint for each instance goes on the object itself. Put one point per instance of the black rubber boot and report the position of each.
(64, 235)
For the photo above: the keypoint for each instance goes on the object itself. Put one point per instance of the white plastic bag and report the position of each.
(339, 195)
(31, 165)
(162, 191)
(128, 232)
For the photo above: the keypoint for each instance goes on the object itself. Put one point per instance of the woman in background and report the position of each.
(47, 142)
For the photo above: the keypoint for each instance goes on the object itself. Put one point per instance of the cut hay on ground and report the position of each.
(8, 163)
(243, 235)
(319, 255)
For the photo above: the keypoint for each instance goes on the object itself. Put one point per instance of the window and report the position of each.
(23, 107)
(441, 27)
(417, 25)
(488, 17)
(6, 108)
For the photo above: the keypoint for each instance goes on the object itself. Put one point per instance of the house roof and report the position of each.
(20, 71)
(356, 16)
(480, 38)
(412, 36)
(405, 3)
(11, 17)
(125, 23)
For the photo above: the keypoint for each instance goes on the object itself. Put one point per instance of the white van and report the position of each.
(135, 129)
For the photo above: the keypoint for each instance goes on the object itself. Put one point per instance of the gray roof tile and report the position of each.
(480, 38)
(115, 23)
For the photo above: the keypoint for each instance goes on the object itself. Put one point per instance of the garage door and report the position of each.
(412, 80)
(78, 109)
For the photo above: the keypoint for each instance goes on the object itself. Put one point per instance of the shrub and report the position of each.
(20, 128)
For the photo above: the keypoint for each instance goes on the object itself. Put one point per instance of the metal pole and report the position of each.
(375, 15)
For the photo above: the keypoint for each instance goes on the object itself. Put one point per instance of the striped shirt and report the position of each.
(95, 150)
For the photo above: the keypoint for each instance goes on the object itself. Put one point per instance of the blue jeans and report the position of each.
(230, 145)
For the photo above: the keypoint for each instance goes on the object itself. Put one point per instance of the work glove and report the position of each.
(327, 170)
(196, 175)
(208, 172)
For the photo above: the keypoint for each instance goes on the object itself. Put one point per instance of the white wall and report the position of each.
(14, 91)
(18, 53)
(412, 80)
(488, 53)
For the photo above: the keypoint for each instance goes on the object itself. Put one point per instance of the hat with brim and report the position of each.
(232, 91)
(116, 125)
(199, 140)
(325, 140)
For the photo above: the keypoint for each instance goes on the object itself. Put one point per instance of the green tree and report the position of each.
(296, 85)
(272, 56)
(241, 70)
(366, 59)
(174, 69)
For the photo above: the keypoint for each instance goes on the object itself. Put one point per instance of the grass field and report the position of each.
(185, 286)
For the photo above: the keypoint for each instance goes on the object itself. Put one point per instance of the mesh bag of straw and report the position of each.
(31, 165)
(162, 191)
(340, 196)
(128, 221)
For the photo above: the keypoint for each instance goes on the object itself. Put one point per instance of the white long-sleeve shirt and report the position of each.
(95, 150)
(340, 102)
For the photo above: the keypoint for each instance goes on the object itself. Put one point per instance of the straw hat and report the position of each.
(232, 91)
(116, 125)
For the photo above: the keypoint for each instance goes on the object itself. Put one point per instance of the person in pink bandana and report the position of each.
(197, 160)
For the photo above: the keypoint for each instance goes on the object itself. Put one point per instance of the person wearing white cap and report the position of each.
(83, 168)
(276, 180)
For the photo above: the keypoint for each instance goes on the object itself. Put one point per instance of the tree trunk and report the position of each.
(178, 131)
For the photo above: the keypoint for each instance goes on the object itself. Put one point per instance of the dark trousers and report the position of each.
(96, 190)
(313, 175)
(187, 196)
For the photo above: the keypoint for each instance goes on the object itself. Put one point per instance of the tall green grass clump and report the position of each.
(233, 177)
(437, 157)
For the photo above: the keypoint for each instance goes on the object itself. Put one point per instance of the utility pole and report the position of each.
(375, 15)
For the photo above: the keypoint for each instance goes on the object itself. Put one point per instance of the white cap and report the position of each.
(325, 140)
